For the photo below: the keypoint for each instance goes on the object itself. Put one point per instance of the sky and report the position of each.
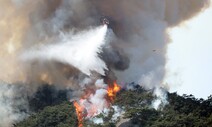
(189, 66)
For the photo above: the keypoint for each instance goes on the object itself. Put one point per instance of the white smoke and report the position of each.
(117, 113)
(80, 51)
(161, 98)
(97, 120)
(96, 102)
(12, 101)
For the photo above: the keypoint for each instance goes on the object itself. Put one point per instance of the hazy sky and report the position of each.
(190, 56)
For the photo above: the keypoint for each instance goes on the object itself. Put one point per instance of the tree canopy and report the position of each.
(181, 111)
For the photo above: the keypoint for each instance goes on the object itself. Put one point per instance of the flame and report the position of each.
(112, 90)
(79, 110)
(92, 110)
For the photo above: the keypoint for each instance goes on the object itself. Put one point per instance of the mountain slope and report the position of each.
(181, 111)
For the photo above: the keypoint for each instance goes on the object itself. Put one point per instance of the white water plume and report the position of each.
(80, 51)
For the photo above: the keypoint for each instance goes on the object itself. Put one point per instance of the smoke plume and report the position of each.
(62, 42)
(13, 104)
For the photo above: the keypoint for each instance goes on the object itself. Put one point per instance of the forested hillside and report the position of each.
(180, 111)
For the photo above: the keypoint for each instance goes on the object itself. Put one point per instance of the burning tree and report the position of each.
(86, 108)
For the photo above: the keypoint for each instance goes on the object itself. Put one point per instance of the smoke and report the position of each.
(74, 50)
(60, 42)
(117, 112)
(161, 99)
(137, 28)
(13, 104)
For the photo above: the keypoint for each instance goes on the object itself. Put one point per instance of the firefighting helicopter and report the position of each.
(104, 21)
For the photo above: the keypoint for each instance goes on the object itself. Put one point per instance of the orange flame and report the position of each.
(112, 90)
(111, 94)
(79, 111)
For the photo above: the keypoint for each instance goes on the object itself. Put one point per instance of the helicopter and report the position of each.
(104, 21)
